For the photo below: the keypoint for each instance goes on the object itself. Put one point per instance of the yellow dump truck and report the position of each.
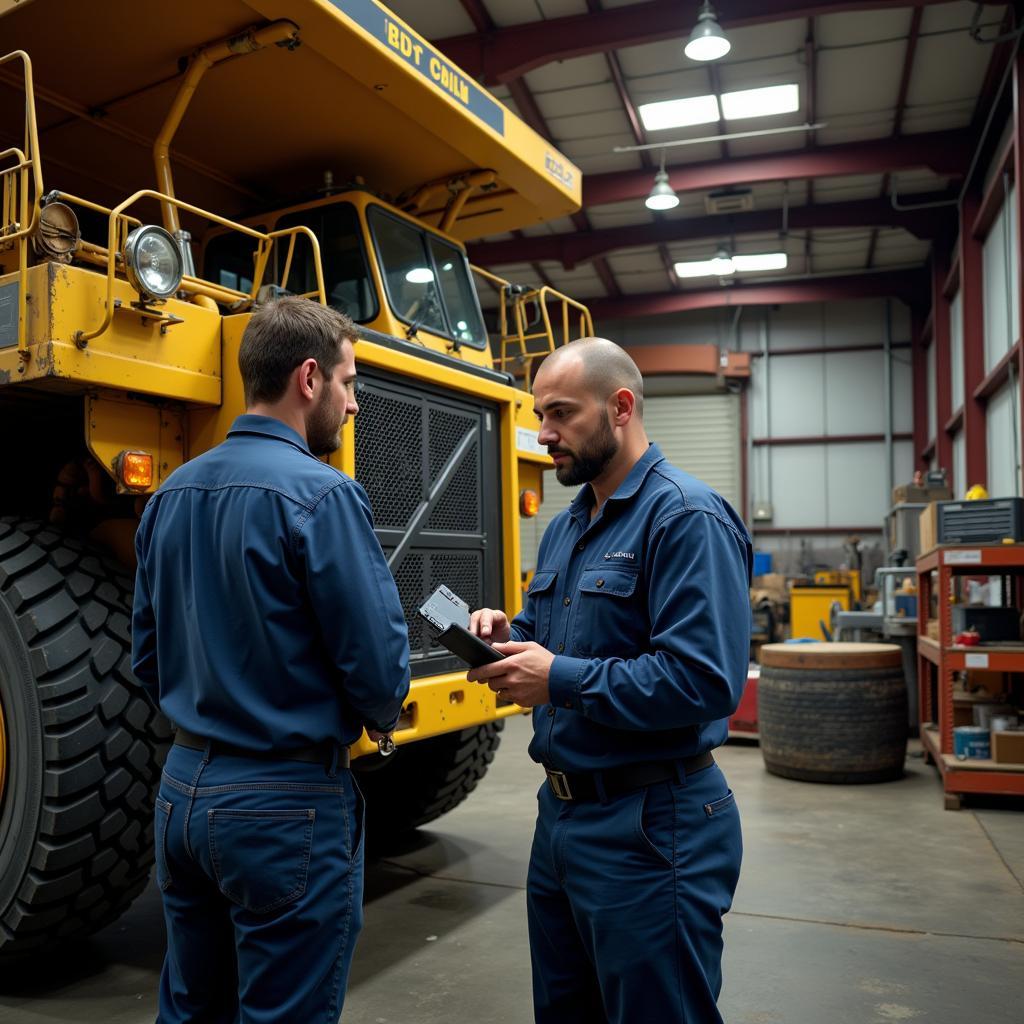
(163, 170)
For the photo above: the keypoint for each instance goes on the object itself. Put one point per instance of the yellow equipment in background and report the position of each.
(811, 603)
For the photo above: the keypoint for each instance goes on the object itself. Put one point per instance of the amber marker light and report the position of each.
(529, 503)
(134, 470)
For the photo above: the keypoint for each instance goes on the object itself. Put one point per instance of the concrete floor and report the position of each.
(857, 905)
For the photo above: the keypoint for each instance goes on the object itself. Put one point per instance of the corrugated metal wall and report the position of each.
(1001, 319)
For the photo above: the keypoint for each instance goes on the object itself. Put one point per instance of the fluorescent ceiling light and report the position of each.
(703, 268)
(419, 275)
(760, 261)
(679, 113)
(723, 265)
(773, 99)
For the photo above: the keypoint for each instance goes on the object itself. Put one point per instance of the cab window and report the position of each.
(427, 280)
(346, 275)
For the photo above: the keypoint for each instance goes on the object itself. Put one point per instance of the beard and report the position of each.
(590, 460)
(323, 428)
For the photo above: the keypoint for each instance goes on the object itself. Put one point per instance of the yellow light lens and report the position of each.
(135, 470)
(529, 503)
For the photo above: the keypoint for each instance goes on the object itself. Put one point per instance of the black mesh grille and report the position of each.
(460, 572)
(409, 578)
(407, 435)
(447, 429)
(389, 454)
(458, 509)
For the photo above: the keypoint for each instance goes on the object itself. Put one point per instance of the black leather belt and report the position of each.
(624, 779)
(319, 754)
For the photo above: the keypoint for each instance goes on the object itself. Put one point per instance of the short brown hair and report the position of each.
(284, 333)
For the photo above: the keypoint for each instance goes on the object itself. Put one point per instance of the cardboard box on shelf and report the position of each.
(1008, 747)
(979, 680)
(963, 714)
(928, 528)
(912, 492)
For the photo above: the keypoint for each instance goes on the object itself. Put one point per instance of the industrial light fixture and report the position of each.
(724, 264)
(680, 113)
(764, 102)
(663, 196)
(707, 40)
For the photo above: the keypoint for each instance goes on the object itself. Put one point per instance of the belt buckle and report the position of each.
(559, 784)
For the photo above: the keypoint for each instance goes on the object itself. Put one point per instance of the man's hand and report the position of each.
(522, 677)
(490, 624)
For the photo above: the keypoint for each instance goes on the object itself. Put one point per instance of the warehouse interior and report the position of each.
(811, 247)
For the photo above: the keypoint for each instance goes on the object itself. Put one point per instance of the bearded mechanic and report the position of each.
(632, 650)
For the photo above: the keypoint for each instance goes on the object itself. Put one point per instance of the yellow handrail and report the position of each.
(519, 335)
(15, 193)
(117, 220)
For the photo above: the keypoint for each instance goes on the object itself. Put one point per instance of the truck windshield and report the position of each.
(427, 279)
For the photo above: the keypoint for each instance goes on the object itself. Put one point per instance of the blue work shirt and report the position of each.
(265, 614)
(647, 610)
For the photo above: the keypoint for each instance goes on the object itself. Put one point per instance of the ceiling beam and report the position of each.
(502, 54)
(639, 137)
(901, 106)
(580, 246)
(531, 114)
(909, 285)
(945, 153)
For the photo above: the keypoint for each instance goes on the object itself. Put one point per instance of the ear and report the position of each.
(307, 376)
(622, 404)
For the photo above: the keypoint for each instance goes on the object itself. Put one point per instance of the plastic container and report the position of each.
(762, 563)
(972, 742)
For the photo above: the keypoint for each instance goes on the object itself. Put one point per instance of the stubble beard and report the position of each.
(590, 460)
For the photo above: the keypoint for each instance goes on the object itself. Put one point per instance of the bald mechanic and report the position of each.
(632, 651)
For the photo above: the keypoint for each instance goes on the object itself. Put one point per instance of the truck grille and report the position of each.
(428, 461)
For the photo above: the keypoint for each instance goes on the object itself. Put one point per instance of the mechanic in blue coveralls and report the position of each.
(268, 628)
(632, 650)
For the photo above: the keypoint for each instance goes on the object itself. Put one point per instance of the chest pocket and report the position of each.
(609, 618)
(540, 595)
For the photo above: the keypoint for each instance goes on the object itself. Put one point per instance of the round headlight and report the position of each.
(152, 262)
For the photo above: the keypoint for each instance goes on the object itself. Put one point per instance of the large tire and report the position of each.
(83, 746)
(424, 780)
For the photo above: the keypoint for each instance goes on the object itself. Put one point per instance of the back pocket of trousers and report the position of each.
(161, 824)
(261, 857)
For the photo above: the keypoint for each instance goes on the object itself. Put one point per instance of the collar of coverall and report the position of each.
(268, 426)
(627, 489)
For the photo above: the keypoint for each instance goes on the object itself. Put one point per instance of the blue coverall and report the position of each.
(265, 621)
(646, 607)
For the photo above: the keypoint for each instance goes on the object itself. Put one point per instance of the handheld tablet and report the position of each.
(449, 615)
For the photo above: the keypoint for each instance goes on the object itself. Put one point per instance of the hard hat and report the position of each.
(976, 493)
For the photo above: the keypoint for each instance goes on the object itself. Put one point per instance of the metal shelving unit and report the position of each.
(938, 660)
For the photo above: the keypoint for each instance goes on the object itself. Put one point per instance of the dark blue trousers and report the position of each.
(261, 868)
(625, 902)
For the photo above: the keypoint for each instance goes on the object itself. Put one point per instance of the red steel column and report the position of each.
(973, 302)
(919, 383)
(943, 376)
(1018, 170)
